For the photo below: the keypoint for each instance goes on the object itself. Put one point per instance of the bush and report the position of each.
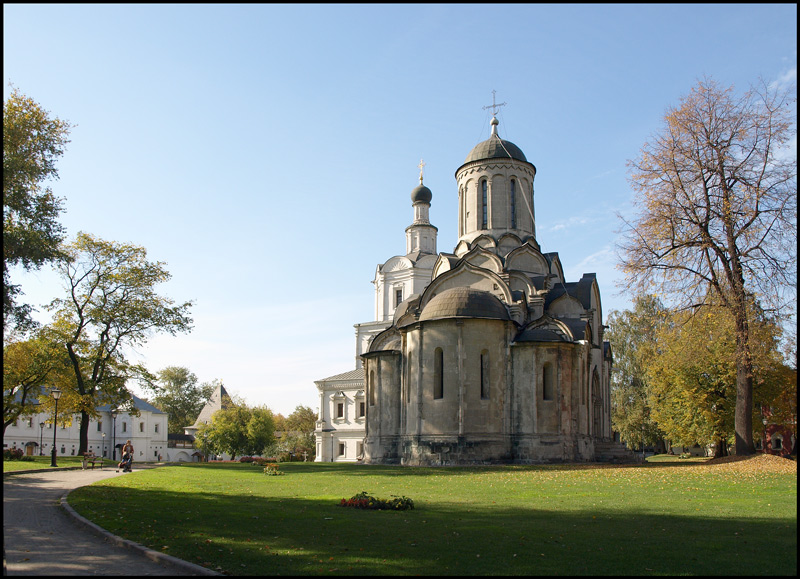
(364, 501)
(272, 469)
(246, 459)
(27, 459)
(12, 453)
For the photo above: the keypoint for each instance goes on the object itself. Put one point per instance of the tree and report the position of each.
(718, 214)
(632, 334)
(239, 430)
(177, 393)
(28, 367)
(111, 305)
(299, 432)
(693, 374)
(32, 142)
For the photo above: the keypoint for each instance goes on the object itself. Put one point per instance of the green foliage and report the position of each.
(239, 430)
(32, 142)
(632, 334)
(111, 305)
(177, 393)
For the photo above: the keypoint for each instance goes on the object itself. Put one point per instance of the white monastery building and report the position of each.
(483, 355)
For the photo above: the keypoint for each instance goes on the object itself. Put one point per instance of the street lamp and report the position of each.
(41, 435)
(104, 444)
(764, 440)
(113, 433)
(56, 394)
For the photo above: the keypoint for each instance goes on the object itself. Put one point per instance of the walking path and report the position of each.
(42, 535)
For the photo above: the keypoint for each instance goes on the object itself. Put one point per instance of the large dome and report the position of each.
(464, 302)
(495, 147)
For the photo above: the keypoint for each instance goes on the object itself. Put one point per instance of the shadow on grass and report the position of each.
(254, 535)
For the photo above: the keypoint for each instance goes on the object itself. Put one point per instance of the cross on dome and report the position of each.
(421, 165)
(494, 105)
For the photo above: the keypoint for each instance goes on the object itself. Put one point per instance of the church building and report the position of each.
(486, 354)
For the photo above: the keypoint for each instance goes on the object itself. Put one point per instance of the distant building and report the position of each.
(107, 434)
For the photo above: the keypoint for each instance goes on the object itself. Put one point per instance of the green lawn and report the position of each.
(657, 519)
(40, 462)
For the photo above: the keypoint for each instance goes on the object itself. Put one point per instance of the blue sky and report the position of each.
(267, 152)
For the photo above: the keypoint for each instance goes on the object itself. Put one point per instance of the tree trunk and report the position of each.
(83, 438)
(720, 448)
(744, 385)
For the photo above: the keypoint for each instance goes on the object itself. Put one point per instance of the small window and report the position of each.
(371, 387)
(141, 427)
(438, 374)
(156, 428)
(547, 382)
(484, 204)
(513, 200)
(99, 426)
(362, 409)
(777, 443)
(340, 410)
(124, 427)
(485, 375)
(30, 422)
(398, 296)
(341, 448)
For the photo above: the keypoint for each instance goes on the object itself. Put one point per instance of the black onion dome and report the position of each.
(421, 194)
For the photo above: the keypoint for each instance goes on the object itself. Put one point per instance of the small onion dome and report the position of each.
(464, 302)
(421, 194)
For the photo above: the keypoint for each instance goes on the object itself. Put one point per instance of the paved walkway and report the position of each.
(42, 537)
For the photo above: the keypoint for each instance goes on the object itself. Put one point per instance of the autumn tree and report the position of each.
(29, 368)
(33, 140)
(717, 214)
(299, 435)
(692, 376)
(176, 392)
(111, 305)
(632, 334)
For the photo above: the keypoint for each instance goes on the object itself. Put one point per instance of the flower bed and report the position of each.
(364, 501)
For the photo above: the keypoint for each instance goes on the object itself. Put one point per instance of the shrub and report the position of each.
(364, 501)
(27, 459)
(246, 459)
(12, 453)
(272, 469)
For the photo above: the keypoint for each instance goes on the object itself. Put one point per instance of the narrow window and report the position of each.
(156, 430)
(484, 204)
(362, 409)
(124, 427)
(340, 410)
(372, 388)
(99, 426)
(777, 443)
(341, 448)
(485, 375)
(547, 382)
(398, 297)
(513, 199)
(438, 374)
(141, 427)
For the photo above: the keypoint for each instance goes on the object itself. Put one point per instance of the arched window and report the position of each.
(485, 375)
(484, 204)
(513, 201)
(547, 382)
(372, 387)
(438, 374)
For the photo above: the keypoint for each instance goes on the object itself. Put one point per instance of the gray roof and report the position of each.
(464, 302)
(495, 147)
(351, 376)
(421, 194)
(218, 400)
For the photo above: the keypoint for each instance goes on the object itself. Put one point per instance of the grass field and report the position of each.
(671, 518)
(41, 462)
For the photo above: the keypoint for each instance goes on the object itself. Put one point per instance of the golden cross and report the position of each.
(421, 165)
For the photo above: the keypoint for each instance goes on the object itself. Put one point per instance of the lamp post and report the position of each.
(104, 445)
(41, 435)
(56, 394)
(764, 441)
(113, 434)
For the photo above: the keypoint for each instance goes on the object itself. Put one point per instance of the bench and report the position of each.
(90, 458)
